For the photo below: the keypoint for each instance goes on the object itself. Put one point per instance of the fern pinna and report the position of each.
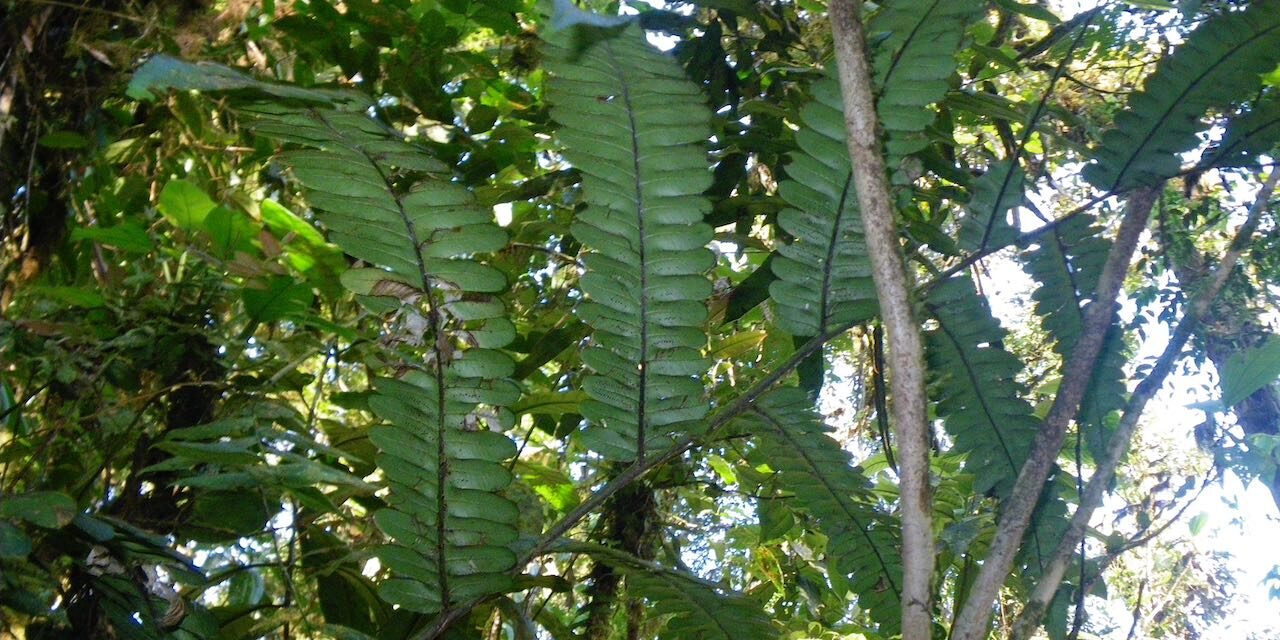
(914, 60)
(1231, 50)
(645, 277)
(863, 548)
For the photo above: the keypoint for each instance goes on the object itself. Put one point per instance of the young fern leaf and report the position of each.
(630, 125)
(1221, 62)
(1067, 264)
(824, 276)
(450, 524)
(862, 543)
(914, 63)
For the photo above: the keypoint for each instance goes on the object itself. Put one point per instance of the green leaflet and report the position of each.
(695, 608)
(974, 387)
(1254, 132)
(1067, 264)
(824, 275)
(914, 63)
(862, 542)
(1220, 63)
(645, 279)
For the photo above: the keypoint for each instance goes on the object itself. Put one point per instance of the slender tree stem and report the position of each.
(974, 617)
(893, 289)
(1029, 620)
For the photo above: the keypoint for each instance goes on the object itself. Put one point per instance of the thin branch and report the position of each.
(1035, 608)
(974, 618)
(893, 290)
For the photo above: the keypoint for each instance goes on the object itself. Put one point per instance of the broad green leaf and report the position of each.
(48, 509)
(126, 236)
(282, 298)
(184, 204)
(1249, 370)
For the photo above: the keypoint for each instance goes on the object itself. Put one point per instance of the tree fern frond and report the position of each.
(382, 204)
(452, 528)
(914, 63)
(1219, 63)
(1067, 264)
(645, 277)
(862, 543)
(974, 384)
(824, 274)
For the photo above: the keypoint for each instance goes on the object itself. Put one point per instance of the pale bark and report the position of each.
(1032, 614)
(1016, 511)
(893, 290)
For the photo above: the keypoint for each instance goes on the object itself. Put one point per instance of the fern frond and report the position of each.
(636, 129)
(914, 63)
(1067, 264)
(862, 543)
(973, 381)
(974, 385)
(382, 203)
(452, 528)
(824, 274)
(1219, 63)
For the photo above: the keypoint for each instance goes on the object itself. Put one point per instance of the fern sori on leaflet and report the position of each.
(636, 129)
(863, 548)
(378, 195)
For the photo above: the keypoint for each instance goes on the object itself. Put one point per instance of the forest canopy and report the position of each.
(720, 319)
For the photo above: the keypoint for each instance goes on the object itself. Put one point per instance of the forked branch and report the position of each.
(1029, 620)
(974, 617)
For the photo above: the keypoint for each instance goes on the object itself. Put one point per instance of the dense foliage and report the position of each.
(504, 319)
